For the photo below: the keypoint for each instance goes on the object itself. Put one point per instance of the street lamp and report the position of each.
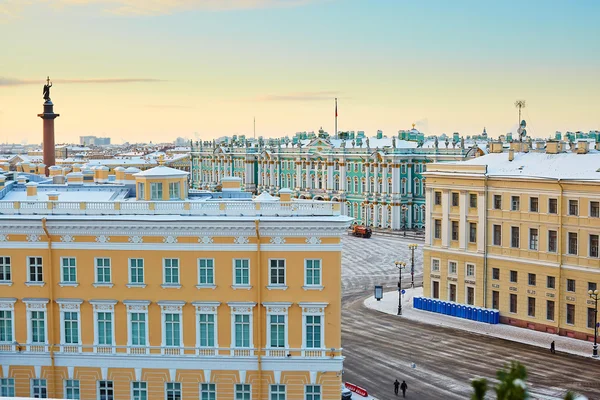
(412, 248)
(404, 208)
(594, 296)
(400, 265)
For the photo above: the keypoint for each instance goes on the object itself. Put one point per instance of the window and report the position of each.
(156, 191)
(592, 286)
(454, 199)
(242, 272)
(571, 314)
(277, 325)
(513, 276)
(531, 279)
(313, 392)
(139, 391)
(136, 271)
(277, 392)
(552, 241)
(7, 387)
(208, 391)
(513, 303)
(103, 270)
(470, 270)
(515, 203)
(72, 389)
(171, 271)
(573, 207)
(454, 230)
(141, 191)
(242, 330)
(550, 310)
(174, 190)
(138, 329)
(452, 267)
(452, 292)
(470, 295)
(206, 271)
(435, 264)
(495, 300)
(437, 232)
(242, 392)
(497, 235)
(495, 274)
(594, 246)
(573, 243)
(472, 232)
(594, 209)
(514, 239)
(38, 389)
(313, 272)
(173, 391)
(570, 285)
(473, 200)
(590, 318)
(277, 272)
(172, 330)
(69, 270)
(533, 239)
(313, 331)
(105, 328)
(5, 269)
(71, 327)
(552, 206)
(497, 202)
(533, 204)
(206, 330)
(35, 269)
(38, 326)
(438, 198)
(531, 306)
(551, 282)
(6, 323)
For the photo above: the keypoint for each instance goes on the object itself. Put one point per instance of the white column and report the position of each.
(445, 218)
(384, 179)
(367, 177)
(428, 221)
(298, 175)
(279, 177)
(462, 223)
(272, 173)
(330, 175)
(395, 178)
(376, 178)
(343, 183)
(409, 182)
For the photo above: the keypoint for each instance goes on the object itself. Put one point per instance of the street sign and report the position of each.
(403, 291)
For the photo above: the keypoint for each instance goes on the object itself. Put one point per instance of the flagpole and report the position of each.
(336, 131)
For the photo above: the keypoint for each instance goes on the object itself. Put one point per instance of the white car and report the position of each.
(346, 393)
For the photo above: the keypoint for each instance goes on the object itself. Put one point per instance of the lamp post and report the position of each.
(400, 265)
(404, 208)
(412, 248)
(594, 296)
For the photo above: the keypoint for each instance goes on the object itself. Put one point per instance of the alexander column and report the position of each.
(48, 116)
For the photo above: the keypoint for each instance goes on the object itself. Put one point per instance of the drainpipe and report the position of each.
(485, 240)
(51, 307)
(559, 237)
(259, 314)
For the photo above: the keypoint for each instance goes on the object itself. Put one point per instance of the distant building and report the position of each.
(94, 141)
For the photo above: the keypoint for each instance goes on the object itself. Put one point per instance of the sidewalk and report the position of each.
(389, 305)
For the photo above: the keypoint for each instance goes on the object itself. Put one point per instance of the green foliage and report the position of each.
(480, 386)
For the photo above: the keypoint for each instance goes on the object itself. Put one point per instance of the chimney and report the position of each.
(52, 196)
(129, 172)
(496, 147)
(75, 178)
(41, 169)
(285, 194)
(511, 154)
(31, 190)
(76, 167)
(58, 179)
(101, 174)
(583, 147)
(119, 174)
(553, 147)
(231, 184)
(22, 179)
(55, 170)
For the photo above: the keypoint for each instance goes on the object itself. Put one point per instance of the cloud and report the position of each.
(300, 96)
(19, 82)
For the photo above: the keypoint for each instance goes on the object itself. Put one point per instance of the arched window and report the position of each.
(417, 187)
(336, 183)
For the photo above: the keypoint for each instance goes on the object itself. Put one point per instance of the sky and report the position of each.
(154, 70)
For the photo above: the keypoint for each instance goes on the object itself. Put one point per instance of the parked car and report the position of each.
(346, 393)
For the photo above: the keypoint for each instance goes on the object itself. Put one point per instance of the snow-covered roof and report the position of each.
(264, 196)
(162, 171)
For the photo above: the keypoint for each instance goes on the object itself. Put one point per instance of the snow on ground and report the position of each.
(389, 305)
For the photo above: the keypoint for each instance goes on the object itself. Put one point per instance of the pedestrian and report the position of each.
(552, 348)
(396, 386)
(403, 387)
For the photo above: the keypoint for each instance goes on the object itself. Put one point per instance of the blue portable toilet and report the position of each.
(486, 316)
(443, 307)
(448, 308)
(415, 302)
(453, 312)
(462, 311)
(429, 303)
(496, 317)
(474, 314)
(438, 306)
(469, 312)
(419, 302)
(480, 315)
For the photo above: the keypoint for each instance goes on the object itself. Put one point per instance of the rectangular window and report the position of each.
(206, 329)
(313, 392)
(103, 270)
(38, 389)
(472, 232)
(454, 199)
(531, 279)
(592, 286)
(5, 275)
(437, 232)
(38, 326)
(573, 207)
(553, 206)
(452, 292)
(277, 323)
(497, 202)
(552, 241)
(435, 264)
(139, 391)
(313, 331)
(590, 318)
(173, 391)
(171, 271)
(594, 246)
(242, 330)
(452, 267)
(550, 310)
(138, 329)
(72, 389)
(533, 239)
(570, 285)
(35, 269)
(206, 271)
(6, 333)
(514, 237)
(172, 330)
(136, 271)
(438, 198)
(156, 191)
(174, 190)
(141, 191)
(242, 272)
(497, 235)
(513, 276)
(513, 303)
(7, 387)
(533, 204)
(243, 392)
(551, 282)
(473, 200)
(470, 270)
(573, 243)
(454, 230)
(69, 270)
(313, 272)
(495, 274)
(531, 306)
(495, 300)
(105, 328)
(594, 209)
(208, 391)
(71, 327)
(515, 203)
(277, 272)
(470, 295)
(571, 314)
(277, 392)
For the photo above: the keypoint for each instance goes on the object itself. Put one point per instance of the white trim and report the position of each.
(8, 304)
(313, 286)
(207, 307)
(171, 307)
(277, 308)
(138, 307)
(244, 285)
(104, 306)
(33, 304)
(242, 308)
(69, 305)
(68, 283)
(315, 309)
(136, 284)
(467, 294)
(102, 284)
(164, 273)
(214, 280)
(271, 285)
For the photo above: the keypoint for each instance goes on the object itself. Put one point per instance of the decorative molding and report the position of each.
(35, 304)
(170, 239)
(4, 238)
(136, 305)
(313, 240)
(241, 307)
(33, 238)
(241, 240)
(313, 308)
(67, 238)
(277, 240)
(7, 303)
(171, 306)
(69, 304)
(205, 240)
(135, 239)
(103, 305)
(204, 307)
(102, 239)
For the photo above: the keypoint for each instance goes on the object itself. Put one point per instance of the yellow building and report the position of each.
(140, 290)
(518, 232)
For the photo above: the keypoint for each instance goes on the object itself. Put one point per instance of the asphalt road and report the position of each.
(437, 362)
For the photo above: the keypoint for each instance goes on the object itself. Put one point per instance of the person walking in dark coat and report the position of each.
(396, 386)
(552, 348)
(403, 387)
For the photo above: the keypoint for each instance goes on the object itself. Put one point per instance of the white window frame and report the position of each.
(171, 307)
(140, 389)
(467, 265)
(537, 239)
(33, 386)
(137, 307)
(103, 306)
(433, 262)
(112, 388)
(206, 285)
(242, 308)
(211, 389)
(207, 308)
(243, 387)
(514, 203)
(73, 306)
(277, 308)
(313, 309)
(320, 394)
(141, 192)
(66, 387)
(272, 285)
(29, 282)
(166, 284)
(8, 304)
(455, 268)
(313, 286)
(36, 305)
(62, 272)
(6, 267)
(10, 384)
(174, 194)
(96, 266)
(279, 392)
(130, 267)
(242, 285)
(154, 191)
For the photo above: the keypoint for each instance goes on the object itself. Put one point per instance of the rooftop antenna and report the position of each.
(520, 104)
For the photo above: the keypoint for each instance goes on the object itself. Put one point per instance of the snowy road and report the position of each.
(380, 347)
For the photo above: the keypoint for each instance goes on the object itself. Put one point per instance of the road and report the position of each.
(380, 347)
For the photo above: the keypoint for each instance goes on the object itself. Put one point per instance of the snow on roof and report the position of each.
(162, 171)
(264, 196)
